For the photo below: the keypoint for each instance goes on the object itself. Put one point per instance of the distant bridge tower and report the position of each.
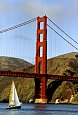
(41, 60)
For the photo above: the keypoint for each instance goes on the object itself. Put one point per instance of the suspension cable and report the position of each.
(63, 31)
(62, 37)
(19, 25)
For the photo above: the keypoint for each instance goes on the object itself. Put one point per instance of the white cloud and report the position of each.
(33, 8)
(29, 7)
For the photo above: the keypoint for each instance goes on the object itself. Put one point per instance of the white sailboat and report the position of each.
(14, 102)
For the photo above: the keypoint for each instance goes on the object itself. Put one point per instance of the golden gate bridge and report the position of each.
(40, 75)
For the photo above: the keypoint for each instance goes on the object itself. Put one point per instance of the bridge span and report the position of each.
(9, 73)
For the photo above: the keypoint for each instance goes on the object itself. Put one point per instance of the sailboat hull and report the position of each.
(13, 107)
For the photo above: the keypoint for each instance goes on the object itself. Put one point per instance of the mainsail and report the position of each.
(17, 102)
(13, 98)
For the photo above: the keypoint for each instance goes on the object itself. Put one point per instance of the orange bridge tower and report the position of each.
(41, 60)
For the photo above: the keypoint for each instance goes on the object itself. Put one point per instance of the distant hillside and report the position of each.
(69, 55)
(66, 64)
(16, 64)
(10, 63)
(60, 64)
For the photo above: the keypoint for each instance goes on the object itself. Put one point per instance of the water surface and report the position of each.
(40, 109)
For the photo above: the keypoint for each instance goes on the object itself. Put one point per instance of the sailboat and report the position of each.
(14, 102)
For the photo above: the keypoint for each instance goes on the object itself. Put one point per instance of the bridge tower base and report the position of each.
(40, 100)
(41, 60)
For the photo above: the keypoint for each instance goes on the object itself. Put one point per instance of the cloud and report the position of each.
(35, 8)
(32, 8)
(58, 9)
(73, 10)
(29, 7)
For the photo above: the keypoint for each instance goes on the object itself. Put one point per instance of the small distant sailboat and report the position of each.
(14, 102)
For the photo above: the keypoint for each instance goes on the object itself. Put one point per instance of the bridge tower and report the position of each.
(41, 60)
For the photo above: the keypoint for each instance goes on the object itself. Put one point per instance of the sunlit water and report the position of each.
(40, 109)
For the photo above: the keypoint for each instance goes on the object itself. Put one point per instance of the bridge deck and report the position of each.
(34, 75)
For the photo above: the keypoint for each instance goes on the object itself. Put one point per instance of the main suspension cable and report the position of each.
(63, 31)
(19, 25)
(62, 37)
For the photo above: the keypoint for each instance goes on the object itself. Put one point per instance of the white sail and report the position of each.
(13, 99)
(17, 102)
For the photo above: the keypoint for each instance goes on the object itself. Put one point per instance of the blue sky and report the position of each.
(63, 12)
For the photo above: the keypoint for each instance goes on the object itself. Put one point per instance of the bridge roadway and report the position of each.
(9, 73)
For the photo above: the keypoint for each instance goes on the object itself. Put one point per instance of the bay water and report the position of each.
(40, 109)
